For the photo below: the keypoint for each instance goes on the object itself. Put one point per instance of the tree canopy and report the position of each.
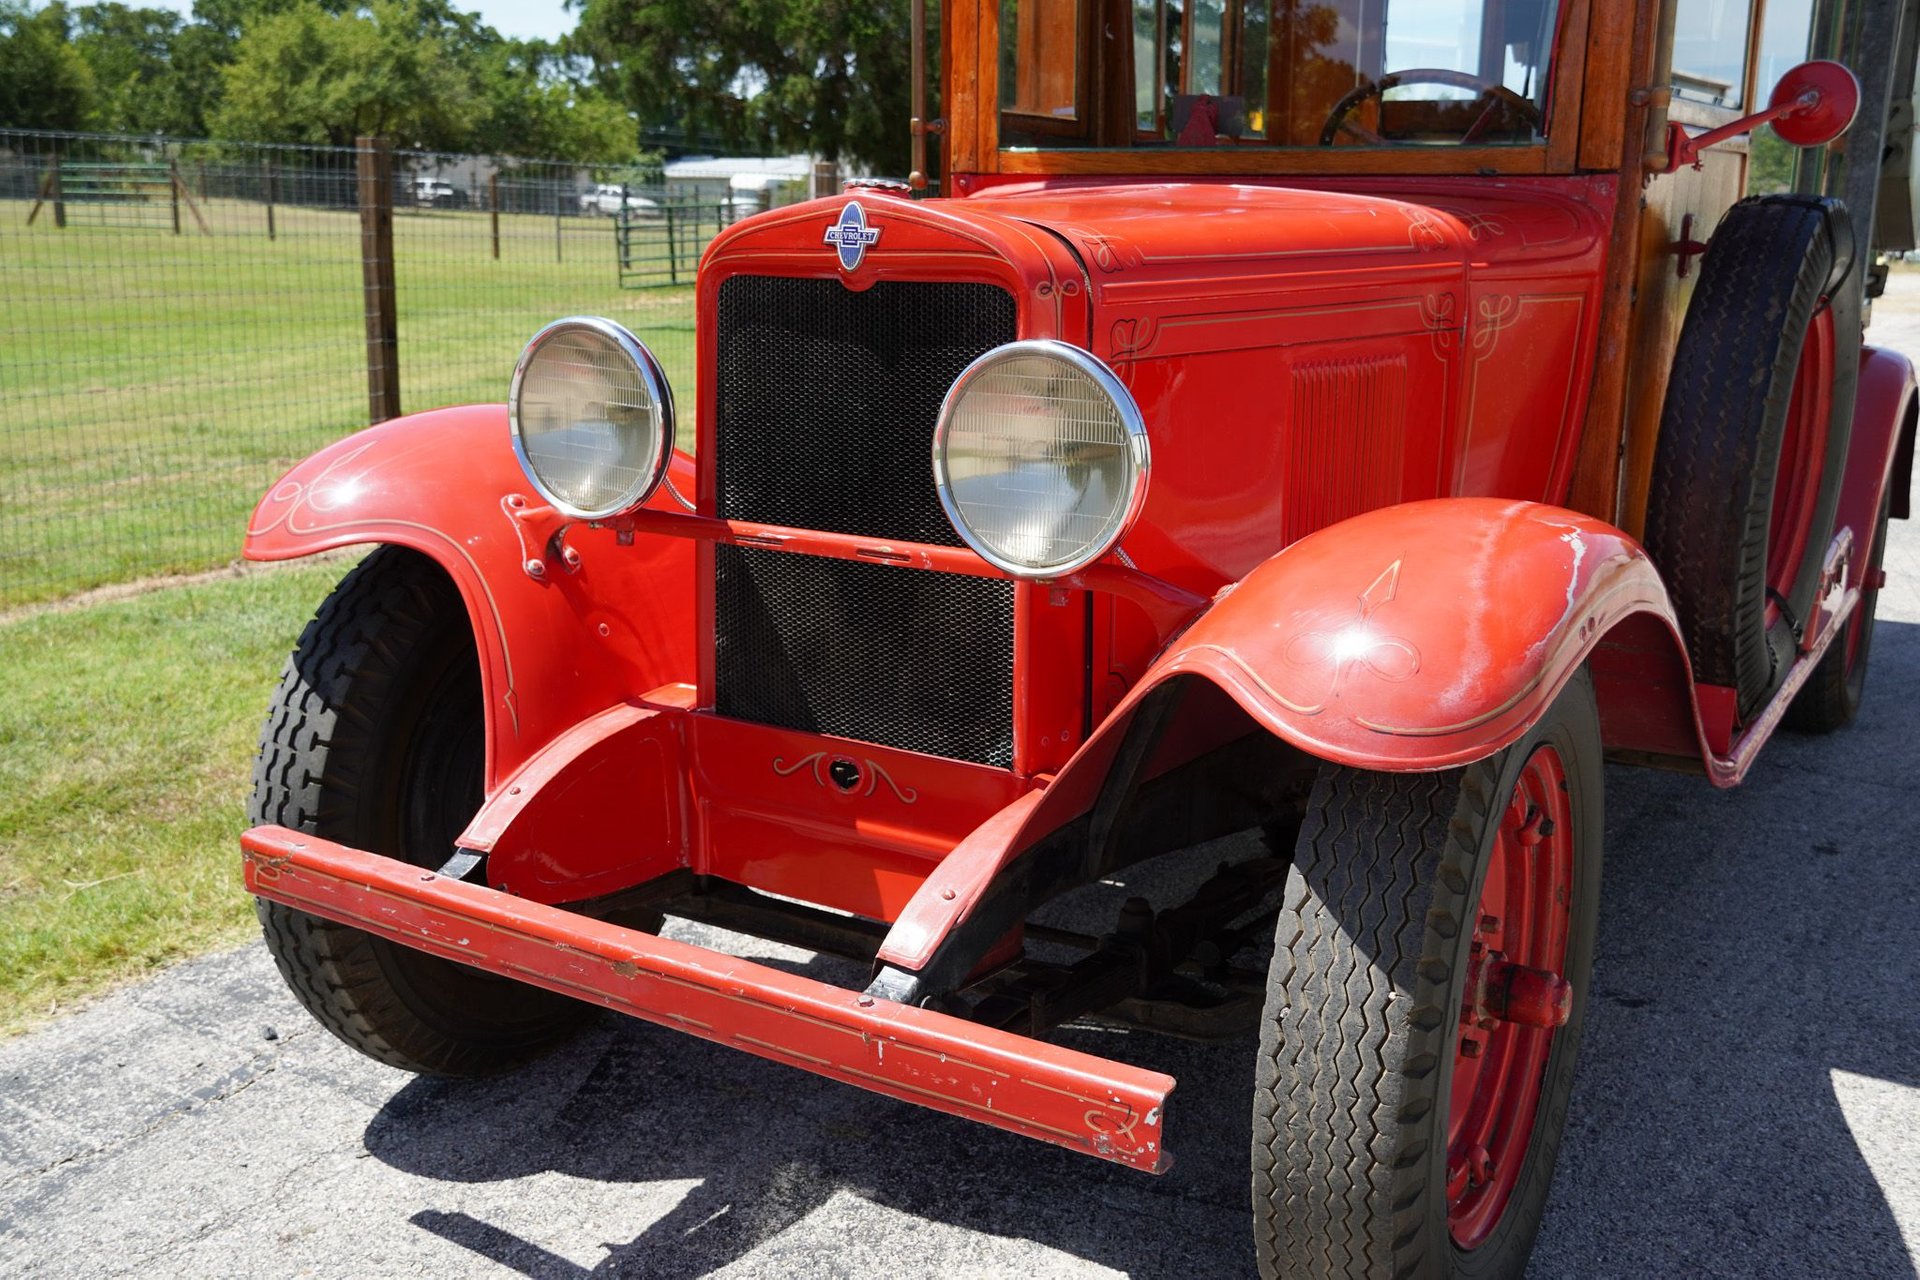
(44, 82)
(768, 76)
(824, 76)
(401, 70)
(153, 71)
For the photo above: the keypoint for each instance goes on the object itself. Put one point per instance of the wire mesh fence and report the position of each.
(660, 242)
(180, 321)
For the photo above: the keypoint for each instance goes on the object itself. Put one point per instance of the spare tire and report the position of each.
(1725, 499)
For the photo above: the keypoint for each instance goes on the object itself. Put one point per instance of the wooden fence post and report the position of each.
(673, 253)
(268, 183)
(50, 190)
(493, 204)
(180, 193)
(374, 163)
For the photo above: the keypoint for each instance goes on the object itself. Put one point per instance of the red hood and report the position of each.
(1208, 243)
(1147, 224)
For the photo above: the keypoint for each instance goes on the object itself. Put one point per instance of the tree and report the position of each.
(825, 76)
(230, 18)
(137, 86)
(539, 102)
(44, 82)
(399, 69)
(421, 72)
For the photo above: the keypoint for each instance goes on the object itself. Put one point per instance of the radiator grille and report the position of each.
(828, 399)
(824, 420)
(903, 657)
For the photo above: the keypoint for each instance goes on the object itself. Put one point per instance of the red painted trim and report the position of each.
(1170, 607)
(1074, 1100)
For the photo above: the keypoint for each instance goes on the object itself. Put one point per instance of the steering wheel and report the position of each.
(1496, 94)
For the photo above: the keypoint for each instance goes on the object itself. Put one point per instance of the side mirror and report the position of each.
(1813, 104)
(1817, 102)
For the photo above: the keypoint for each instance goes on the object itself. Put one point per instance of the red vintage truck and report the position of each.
(1348, 420)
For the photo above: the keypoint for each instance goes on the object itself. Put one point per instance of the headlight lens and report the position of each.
(1040, 458)
(592, 417)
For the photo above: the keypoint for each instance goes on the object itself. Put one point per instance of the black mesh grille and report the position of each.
(902, 657)
(828, 399)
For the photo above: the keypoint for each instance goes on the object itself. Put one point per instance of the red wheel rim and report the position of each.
(1515, 996)
(1803, 449)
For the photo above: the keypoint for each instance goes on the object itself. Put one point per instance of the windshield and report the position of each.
(1274, 73)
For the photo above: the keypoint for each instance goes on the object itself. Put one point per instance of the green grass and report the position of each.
(153, 385)
(127, 732)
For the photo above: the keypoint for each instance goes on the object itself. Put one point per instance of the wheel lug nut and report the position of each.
(1527, 996)
(1489, 924)
(1469, 1047)
(1480, 1165)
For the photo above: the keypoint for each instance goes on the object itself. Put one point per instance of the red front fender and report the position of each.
(1419, 636)
(554, 649)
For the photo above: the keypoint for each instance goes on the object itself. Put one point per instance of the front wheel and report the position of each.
(1424, 1009)
(377, 738)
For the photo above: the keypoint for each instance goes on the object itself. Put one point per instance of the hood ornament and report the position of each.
(850, 235)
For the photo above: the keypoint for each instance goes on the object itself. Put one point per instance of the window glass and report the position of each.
(1205, 74)
(1040, 58)
(1786, 36)
(1159, 50)
(1710, 50)
(1786, 41)
(1307, 73)
(1253, 64)
(1457, 35)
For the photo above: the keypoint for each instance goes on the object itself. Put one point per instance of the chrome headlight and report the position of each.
(1040, 458)
(592, 417)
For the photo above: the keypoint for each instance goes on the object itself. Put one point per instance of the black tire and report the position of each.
(1363, 1013)
(1771, 264)
(1830, 698)
(376, 739)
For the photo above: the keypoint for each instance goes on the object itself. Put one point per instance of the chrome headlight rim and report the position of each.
(655, 380)
(1139, 453)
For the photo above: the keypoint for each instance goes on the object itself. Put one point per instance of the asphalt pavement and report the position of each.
(1748, 1102)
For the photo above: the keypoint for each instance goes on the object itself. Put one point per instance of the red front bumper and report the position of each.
(1104, 1108)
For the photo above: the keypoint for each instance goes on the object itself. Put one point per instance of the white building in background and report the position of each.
(744, 183)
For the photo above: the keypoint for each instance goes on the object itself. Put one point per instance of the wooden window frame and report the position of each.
(972, 34)
(1083, 78)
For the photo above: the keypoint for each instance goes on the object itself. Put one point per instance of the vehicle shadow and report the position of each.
(1753, 944)
(771, 1145)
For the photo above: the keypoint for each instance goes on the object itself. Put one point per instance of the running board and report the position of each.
(1103, 1108)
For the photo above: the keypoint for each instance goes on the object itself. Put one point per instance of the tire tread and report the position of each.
(315, 748)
